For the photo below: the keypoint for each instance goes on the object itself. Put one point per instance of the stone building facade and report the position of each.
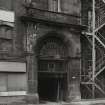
(40, 50)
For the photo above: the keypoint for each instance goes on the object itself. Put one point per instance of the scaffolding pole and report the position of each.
(97, 11)
(93, 50)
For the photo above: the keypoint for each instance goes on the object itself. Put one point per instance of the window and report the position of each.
(6, 32)
(54, 5)
(6, 41)
(51, 66)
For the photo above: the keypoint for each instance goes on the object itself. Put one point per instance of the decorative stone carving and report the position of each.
(30, 40)
(30, 37)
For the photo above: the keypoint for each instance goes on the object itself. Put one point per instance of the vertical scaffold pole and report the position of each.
(93, 50)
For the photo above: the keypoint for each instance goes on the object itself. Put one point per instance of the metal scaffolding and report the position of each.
(96, 37)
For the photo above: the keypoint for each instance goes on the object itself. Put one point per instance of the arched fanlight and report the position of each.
(52, 48)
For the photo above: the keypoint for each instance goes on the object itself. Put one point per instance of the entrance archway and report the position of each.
(52, 69)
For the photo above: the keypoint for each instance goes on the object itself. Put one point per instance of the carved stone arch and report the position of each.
(64, 39)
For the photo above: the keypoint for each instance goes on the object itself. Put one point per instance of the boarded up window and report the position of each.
(12, 82)
(12, 76)
(17, 82)
(3, 82)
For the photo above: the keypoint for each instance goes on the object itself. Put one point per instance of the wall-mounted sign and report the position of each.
(12, 67)
(7, 16)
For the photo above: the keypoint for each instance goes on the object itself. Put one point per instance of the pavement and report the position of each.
(82, 102)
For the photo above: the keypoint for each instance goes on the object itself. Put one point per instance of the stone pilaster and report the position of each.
(74, 80)
(74, 90)
(32, 95)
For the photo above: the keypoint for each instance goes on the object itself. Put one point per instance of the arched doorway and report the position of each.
(52, 69)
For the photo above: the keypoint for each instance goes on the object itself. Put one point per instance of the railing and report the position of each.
(100, 13)
(100, 85)
(101, 61)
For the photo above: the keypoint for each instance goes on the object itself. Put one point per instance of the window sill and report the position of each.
(13, 93)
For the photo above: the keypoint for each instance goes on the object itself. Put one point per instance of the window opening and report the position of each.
(54, 5)
(51, 66)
